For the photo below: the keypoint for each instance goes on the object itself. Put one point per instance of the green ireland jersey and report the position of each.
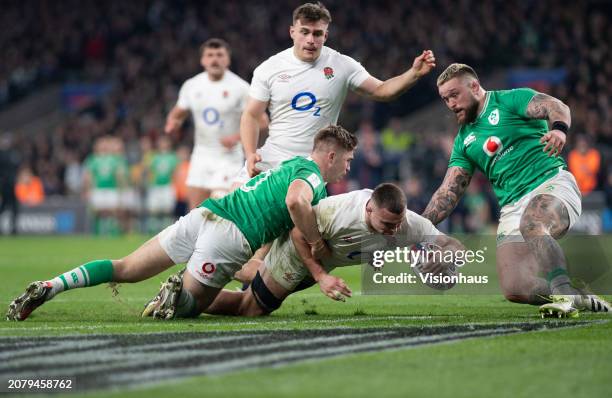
(258, 207)
(505, 145)
(162, 168)
(104, 170)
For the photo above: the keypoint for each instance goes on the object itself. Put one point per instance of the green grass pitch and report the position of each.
(566, 362)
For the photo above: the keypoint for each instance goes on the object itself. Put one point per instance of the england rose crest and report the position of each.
(328, 72)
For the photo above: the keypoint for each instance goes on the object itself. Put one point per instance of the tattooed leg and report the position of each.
(518, 275)
(545, 220)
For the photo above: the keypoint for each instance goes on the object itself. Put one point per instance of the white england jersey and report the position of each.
(303, 97)
(341, 220)
(216, 107)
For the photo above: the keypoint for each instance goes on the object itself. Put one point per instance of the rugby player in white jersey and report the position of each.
(354, 225)
(304, 87)
(215, 98)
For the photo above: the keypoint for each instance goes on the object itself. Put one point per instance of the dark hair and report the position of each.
(456, 70)
(337, 136)
(389, 196)
(312, 12)
(215, 43)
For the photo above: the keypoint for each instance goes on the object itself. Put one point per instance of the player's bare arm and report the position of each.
(298, 201)
(175, 119)
(331, 286)
(249, 132)
(543, 106)
(229, 141)
(445, 199)
(392, 88)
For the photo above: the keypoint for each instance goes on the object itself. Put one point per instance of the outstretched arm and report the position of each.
(543, 106)
(445, 199)
(333, 287)
(392, 88)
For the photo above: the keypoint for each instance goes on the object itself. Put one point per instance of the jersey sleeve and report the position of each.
(312, 178)
(458, 158)
(183, 98)
(516, 100)
(420, 229)
(357, 74)
(260, 88)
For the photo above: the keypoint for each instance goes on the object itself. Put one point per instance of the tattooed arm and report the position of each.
(544, 106)
(447, 196)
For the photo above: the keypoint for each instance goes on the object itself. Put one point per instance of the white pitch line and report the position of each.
(263, 322)
(78, 362)
(49, 350)
(291, 356)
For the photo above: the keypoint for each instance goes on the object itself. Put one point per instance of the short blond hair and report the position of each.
(456, 70)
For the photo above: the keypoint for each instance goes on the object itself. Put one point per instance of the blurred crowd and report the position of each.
(146, 49)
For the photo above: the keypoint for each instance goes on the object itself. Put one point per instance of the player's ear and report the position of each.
(475, 86)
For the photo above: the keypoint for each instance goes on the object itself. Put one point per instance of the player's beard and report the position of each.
(471, 111)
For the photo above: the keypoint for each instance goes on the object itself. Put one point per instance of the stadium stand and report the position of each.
(119, 65)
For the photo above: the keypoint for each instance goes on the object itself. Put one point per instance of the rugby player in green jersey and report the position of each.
(217, 237)
(505, 135)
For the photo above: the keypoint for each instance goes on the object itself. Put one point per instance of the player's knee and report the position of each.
(517, 298)
(124, 271)
(250, 307)
(531, 228)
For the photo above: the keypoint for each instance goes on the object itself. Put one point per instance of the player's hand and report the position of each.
(172, 126)
(251, 160)
(555, 141)
(320, 249)
(432, 267)
(333, 287)
(424, 63)
(230, 141)
(247, 273)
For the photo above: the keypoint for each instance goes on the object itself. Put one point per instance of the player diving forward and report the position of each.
(504, 134)
(354, 225)
(304, 87)
(216, 99)
(216, 238)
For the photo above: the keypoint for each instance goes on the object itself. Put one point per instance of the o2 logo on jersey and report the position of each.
(211, 116)
(304, 102)
(492, 145)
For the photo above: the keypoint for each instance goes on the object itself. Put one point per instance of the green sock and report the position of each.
(89, 274)
(186, 305)
(559, 282)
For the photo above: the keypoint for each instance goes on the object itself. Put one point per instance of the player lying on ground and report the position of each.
(216, 238)
(504, 134)
(354, 225)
